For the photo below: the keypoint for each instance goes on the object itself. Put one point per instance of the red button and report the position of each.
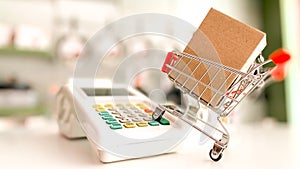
(148, 110)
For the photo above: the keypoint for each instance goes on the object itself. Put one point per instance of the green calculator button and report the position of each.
(153, 123)
(164, 121)
(103, 113)
(115, 126)
(107, 117)
(112, 121)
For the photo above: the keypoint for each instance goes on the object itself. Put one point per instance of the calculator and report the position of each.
(116, 119)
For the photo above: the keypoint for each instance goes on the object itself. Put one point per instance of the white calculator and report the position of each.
(116, 119)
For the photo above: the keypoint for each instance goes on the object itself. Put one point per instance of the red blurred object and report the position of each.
(170, 60)
(280, 56)
(278, 73)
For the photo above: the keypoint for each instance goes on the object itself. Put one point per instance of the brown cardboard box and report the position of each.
(223, 40)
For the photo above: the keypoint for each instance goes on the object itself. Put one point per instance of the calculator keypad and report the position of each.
(121, 116)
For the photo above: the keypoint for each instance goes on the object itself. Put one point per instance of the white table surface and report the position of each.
(38, 144)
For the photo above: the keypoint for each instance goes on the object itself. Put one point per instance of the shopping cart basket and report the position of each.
(242, 85)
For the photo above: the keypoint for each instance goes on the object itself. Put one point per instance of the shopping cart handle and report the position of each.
(169, 61)
(280, 57)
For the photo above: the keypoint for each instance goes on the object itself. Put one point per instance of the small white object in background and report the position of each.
(13, 98)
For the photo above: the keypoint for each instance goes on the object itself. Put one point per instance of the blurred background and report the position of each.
(40, 41)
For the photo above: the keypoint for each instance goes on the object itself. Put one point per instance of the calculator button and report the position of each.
(136, 120)
(129, 125)
(123, 108)
(124, 120)
(127, 112)
(100, 109)
(115, 113)
(119, 105)
(111, 109)
(112, 121)
(108, 105)
(107, 117)
(138, 111)
(153, 123)
(147, 118)
(132, 116)
(119, 117)
(143, 115)
(148, 110)
(130, 105)
(97, 106)
(104, 113)
(116, 126)
(164, 121)
(141, 105)
(143, 108)
(142, 124)
(118, 114)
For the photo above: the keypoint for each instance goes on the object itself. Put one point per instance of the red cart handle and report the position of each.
(280, 57)
(170, 60)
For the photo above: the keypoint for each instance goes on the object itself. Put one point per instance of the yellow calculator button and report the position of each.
(142, 124)
(119, 105)
(100, 109)
(129, 125)
(97, 106)
(141, 105)
(130, 105)
(108, 105)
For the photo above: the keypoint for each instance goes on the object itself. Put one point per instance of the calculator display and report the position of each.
(107, 92)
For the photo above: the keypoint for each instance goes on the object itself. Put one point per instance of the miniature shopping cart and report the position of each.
(242, 85)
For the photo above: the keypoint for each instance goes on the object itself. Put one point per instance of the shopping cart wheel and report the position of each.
(215, 156)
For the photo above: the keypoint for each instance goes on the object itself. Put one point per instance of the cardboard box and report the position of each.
(223, 40)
